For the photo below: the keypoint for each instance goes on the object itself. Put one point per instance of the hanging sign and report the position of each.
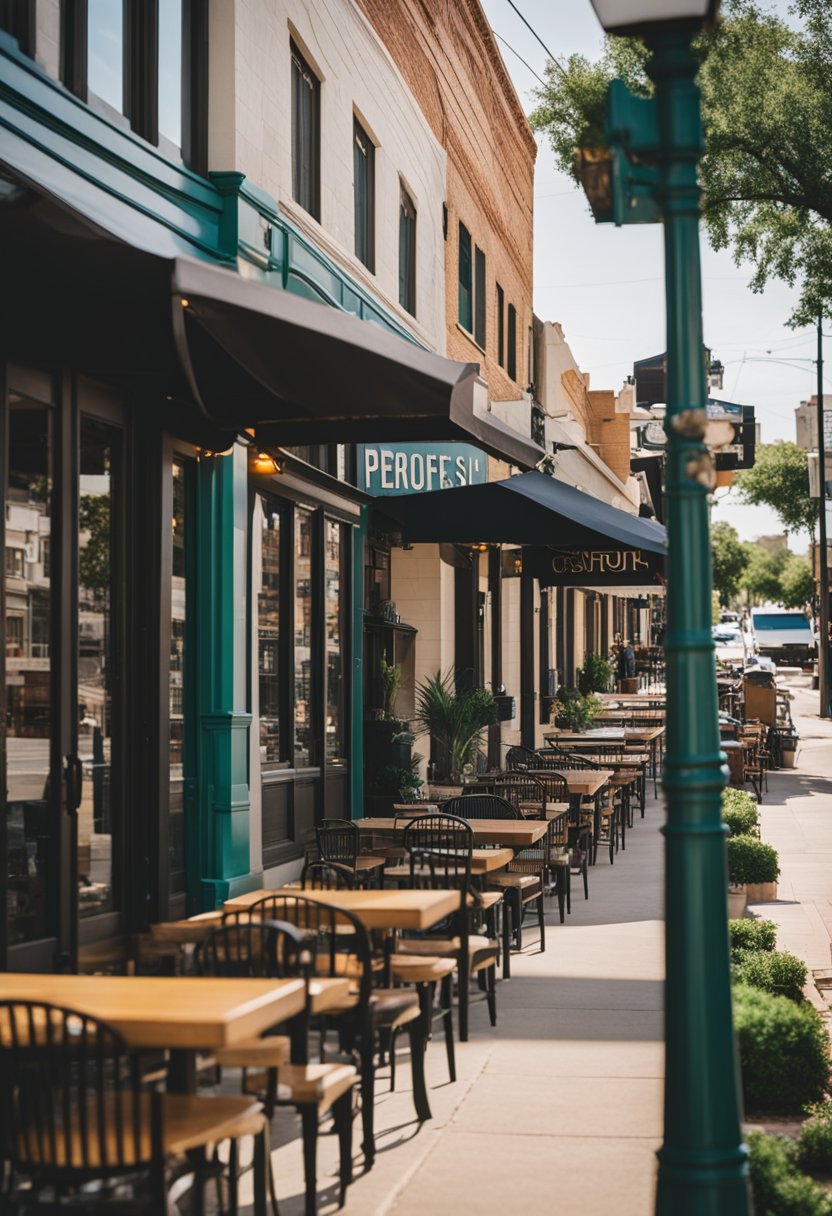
(417, 468)
(593, 567)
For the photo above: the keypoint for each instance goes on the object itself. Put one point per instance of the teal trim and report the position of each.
(220, 824)
(359, 536)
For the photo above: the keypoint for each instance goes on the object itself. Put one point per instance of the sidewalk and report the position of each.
(562, 1102)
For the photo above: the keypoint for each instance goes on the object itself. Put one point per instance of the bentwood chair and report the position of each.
(370, 1015)
(247, 945)
(440, 850)
(73, 1113)
(339, 841)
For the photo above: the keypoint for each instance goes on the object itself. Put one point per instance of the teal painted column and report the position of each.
(702, 1163)
(219, 837)
(359, 536)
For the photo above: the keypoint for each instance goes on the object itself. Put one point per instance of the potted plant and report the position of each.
(395, 783)
(455, 722)
(740, 813)
(754, 866)
(595, 675)
(573, 711)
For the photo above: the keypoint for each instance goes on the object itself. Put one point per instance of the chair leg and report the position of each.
(392, 1061)
(446, 1001)
(417, 1065)
(507, 915)
(562, 889)
(309, 1120)
(585, 869)
(342, 1114)
(541, 917)
(263, 1174)
(233, 1177)
(368, 1087)
(518, 926)
(491, 993)
(462, 996)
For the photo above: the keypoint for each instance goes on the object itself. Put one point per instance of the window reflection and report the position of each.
(30, 810)
(268, 634)
(303, 639)
(176, 678)
(334, 642)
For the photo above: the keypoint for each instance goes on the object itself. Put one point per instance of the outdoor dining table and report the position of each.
(651, 736)
(511, 833)
(583, 783)
(415, 910)
(184, 1014)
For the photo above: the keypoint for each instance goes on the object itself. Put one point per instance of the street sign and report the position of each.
(417, 468)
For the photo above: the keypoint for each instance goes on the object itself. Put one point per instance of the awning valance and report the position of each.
(528, 509)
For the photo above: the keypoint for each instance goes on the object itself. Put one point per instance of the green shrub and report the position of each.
(747, 934)
(751, 860)
(784, 1052)
(778, 1186)
(739, 811)
(775, 971)
(814, 1145)
(596, 673)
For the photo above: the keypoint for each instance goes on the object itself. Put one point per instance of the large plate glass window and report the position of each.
(270, 673)
(334, 597)
(304, 655)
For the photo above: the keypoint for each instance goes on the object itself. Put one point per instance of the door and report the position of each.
(61, 770)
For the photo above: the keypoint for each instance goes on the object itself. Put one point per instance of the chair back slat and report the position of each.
(248, 945)
(481, 806)
(441, 849)
(338, 841)
(522, 790)
(327, 876)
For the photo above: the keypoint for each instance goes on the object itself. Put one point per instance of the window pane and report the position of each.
(466, 303)
(335, 749)
(32, 832)
(305, 134)
(501, 327)
(176, 681)
(407, 253)
(170, 70)
(511, 363)
(105, 51)
(479, 298)
(364, 175)
(304, 733)
(268, 633)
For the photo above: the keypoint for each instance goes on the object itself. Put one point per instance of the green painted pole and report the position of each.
(702, 1163)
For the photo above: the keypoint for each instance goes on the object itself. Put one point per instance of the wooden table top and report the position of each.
(586, 781)
(376, 909)
(185, 1012)
(608, 734)
(514, 833)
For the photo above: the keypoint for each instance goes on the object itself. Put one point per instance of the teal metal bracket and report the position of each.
(633, 134)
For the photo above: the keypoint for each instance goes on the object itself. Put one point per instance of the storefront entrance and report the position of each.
(63, 756)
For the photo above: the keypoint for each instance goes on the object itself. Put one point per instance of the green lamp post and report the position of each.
(651, 174)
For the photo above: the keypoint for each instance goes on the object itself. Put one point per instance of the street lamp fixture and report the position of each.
(640, 17)
(655, 144)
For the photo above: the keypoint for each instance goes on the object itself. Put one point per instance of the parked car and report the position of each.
(783, 634)
(733, 644)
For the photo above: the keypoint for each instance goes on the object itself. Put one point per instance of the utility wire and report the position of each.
(500, 38)
(555, 61)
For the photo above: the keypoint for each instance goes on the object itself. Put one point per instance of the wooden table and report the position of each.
(417, 910)
(513, 833)
(651, 736)
(185, 1014)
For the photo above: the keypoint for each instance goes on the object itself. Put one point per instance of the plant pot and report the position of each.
(787, 757)
(761, 892)
(737, 900)
(628, 684)
(437, 792)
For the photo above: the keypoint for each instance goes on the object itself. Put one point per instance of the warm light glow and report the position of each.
(480, 548)
(185, 302)
(263, 462)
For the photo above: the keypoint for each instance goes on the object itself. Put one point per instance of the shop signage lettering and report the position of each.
(595, 561)
(593, 567)
(417, 468)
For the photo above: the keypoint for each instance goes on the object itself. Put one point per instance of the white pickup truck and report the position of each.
(783, 634)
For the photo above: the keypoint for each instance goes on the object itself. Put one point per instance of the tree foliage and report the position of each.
(767, 107)
(797, 582)
(729, 560)
(94, 554)
(780, 480)
(778, 578)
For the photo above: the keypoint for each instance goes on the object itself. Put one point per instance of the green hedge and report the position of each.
(775, 971)
(751, 860)
(747, 934)
(814, 1145)
(778, 1186)
(784, 1052)
(740, 812)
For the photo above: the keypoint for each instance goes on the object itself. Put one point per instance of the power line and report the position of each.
(557, 64)
(518, 56)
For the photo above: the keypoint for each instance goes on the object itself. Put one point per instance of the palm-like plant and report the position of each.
(455, 722)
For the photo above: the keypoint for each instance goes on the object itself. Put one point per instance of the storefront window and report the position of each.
(334, 600)
(268, 633)
(177, 621)
(304, 735)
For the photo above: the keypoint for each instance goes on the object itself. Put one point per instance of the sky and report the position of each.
(605, 284)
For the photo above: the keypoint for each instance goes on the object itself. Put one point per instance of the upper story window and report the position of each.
(306, 135)
(143, 63)
(364, 174)
(407, 252)
(17, 17)
(465, 308)
(479, 297)
(511, 360)
(501, 326)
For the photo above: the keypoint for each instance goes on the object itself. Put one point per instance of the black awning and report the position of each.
(302, 372)
(529, 509)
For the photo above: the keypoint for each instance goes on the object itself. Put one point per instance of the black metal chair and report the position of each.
(327, 876)
(440, 849)
(526, 792)
(480, 806)
(339, 841)
(342, 948)
(519, 757)
(73, 1112)
(580, 834)
(251, 944)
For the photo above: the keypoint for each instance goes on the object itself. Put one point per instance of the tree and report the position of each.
(797, 582)
(729, 561)
(767, 108)
(94, 554)
(761, 579)
(780, 480)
